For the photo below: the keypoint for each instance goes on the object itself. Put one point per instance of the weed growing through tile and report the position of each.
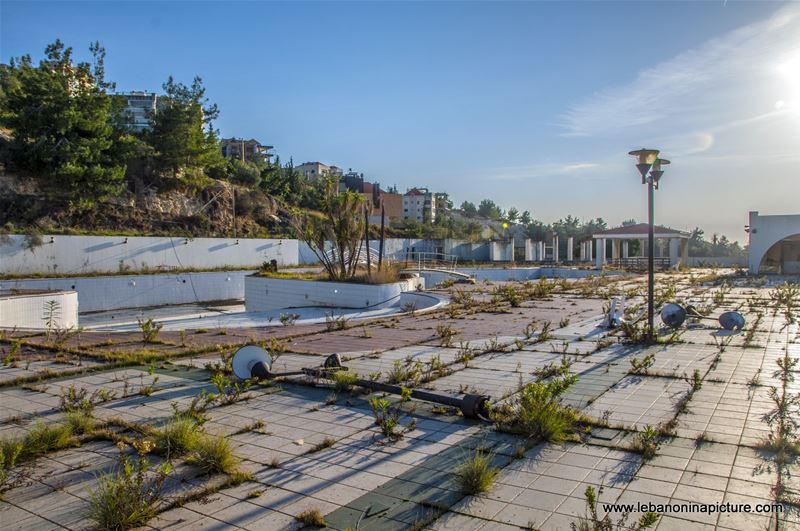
(696, 380)
(530, 330)
(387, 418)
(129, 496)
(327, 442)
(537, 411)
(446, 333)
(311, 517)
(177, 437)
(476, 473)
(228, 391)
(641, 365)
(149, 329)
(593, 522)
(546, 333)
(213, 454)
(9, 453)
(645, 442)
(465, 353)
(343, 381)
(80, 422)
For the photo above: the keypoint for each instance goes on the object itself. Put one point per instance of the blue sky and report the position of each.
(534, 105)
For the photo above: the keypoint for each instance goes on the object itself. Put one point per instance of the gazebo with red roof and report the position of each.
(620, 236)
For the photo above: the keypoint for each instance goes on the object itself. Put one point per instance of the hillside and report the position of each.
(25, 207)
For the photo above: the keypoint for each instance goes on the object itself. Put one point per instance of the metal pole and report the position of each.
(383, 235)
(233, 196)
(650, 261)
(366, 238)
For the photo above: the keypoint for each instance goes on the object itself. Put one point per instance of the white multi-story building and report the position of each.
(419, 204)
(139, 107)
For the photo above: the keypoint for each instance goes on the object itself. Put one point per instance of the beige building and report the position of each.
(239, 148)
(419, 204)
(316, 170)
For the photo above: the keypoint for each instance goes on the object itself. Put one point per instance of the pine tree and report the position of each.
(60, 116)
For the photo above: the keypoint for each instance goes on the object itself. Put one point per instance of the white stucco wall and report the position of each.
(765, 231)
(138, 291)
(501, 251)
(109, 254)
(266, 294)
(28, 311)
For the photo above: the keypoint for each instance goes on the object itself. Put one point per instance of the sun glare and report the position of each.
(789, 73)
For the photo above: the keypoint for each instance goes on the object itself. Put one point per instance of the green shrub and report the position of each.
(178, 437)
(537, 411)
(149, 329)
(646, 442)
(129, 496)
(80, 422)
(476, 474)
(343, 381)
(213, 454)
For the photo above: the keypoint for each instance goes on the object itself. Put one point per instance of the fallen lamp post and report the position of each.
(254, 362)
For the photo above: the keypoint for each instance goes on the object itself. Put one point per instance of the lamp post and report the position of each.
(649, 166)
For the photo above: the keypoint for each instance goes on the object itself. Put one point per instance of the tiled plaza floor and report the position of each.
(307, 446)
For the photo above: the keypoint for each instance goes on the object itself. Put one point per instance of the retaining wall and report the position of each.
(111, 254)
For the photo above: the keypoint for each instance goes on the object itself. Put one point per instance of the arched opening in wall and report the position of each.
(783, 257)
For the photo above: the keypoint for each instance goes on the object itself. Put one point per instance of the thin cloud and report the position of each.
(696, 85)
(533, 171)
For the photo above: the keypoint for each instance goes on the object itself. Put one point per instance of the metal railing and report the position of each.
(639, 263)
(428, 261)
(374, 255)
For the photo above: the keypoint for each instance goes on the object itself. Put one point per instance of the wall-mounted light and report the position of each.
(237, 242)
(126, 240)
(186, 241)
(52, 240)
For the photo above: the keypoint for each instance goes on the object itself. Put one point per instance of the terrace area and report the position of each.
(691, 419)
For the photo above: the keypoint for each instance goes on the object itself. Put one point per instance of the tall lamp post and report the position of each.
(649, 165)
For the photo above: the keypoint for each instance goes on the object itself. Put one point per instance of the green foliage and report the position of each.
(537, 411)
(718, 246)
(593, 522)
(343, 381)
(476, 474)
(74, 399)
(52, 312)
(400, 374)
(213, 454)
(488, 209)
(340, 229)
(640, 366)
(645, 442)
(177, 134)
(61, 117)
(9, 453)
(386, 417)
(178, 437)
(229, 391)
(129, 496)
(149, 329)
(446, 333)
(41, 439)
(80, 422)
(405, 394)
